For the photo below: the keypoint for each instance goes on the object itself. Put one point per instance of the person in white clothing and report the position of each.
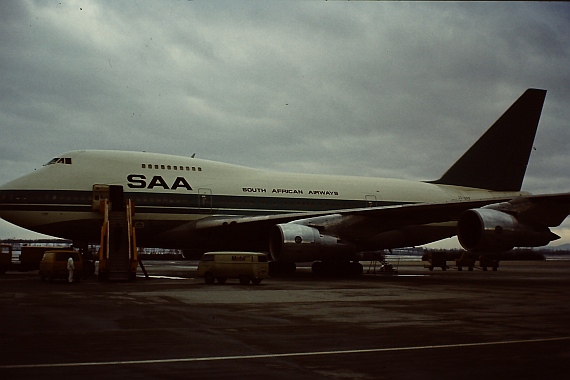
(70, 268)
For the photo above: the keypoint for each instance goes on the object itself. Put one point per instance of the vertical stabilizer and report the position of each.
(498, 160)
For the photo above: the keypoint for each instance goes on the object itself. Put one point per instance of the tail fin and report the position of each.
(498, 160)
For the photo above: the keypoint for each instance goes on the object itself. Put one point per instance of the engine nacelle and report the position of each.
(292, 242)
(486, 229)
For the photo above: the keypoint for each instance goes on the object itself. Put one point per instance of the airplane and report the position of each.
(199, 205)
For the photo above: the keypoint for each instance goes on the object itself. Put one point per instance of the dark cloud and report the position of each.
(365, 88)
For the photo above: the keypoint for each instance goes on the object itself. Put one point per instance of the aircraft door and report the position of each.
(371, 201)
(205, 198)
(99, 192)
(114, 193)
(116, 197)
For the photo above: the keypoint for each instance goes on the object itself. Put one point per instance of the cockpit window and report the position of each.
(60, 160)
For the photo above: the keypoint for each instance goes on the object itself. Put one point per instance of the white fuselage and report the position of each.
(172, 191)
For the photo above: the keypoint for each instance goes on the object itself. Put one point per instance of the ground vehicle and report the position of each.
(54, 264)
(28, 259)
(246, 266)
(31, 255)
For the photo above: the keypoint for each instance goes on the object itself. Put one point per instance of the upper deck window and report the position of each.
(167, 167)
(60, 160)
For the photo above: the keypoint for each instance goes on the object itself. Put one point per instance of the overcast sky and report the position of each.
(359, 88)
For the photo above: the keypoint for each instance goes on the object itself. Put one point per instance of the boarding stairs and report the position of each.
(118, 258)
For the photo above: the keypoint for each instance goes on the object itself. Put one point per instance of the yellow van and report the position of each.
(245, 266)
(54, 264)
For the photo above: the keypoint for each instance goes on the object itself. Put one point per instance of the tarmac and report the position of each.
(419, 324)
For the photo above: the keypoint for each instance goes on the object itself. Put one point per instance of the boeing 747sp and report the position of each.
(199, 205)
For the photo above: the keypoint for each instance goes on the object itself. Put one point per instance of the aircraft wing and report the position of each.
(392, 216)
(547, 210)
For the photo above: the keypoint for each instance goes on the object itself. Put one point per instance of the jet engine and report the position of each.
(292, 242)
(486, 229)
